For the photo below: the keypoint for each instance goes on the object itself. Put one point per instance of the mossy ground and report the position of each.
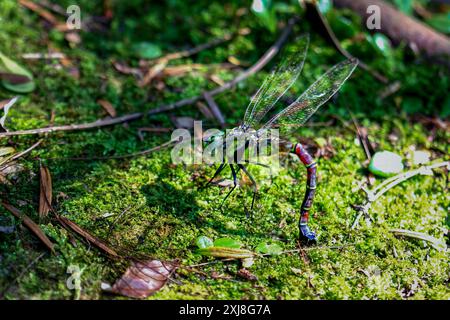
(161, 206)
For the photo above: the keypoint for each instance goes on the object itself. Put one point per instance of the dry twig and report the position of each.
(270, 53)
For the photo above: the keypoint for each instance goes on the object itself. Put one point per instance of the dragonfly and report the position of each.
(286, 121)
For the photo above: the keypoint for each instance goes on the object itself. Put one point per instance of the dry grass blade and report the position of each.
(66, 223)
(108, 107)
(143, 279)
(46, 192)
(30, 224)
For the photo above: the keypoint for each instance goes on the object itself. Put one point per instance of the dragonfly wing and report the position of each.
(316, 95)
(275, 85)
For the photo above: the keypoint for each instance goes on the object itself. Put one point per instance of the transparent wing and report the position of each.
(316, 95)
(275, 85)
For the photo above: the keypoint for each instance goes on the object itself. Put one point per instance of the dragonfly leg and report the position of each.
(262, 165)
(305, 233)
(233, 172)
(255, 190)
(219, 170)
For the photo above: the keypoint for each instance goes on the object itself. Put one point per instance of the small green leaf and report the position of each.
(146, 50)
(9, 66)
(227, 243)
(204, 242)
(382, 43)
(272, 249)
(440, 22)
(342, 26)
(263, 9)
(412, 105)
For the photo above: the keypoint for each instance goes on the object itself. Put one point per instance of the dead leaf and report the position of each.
(68, 224)
(30, 224)
(153, 72)
(123, 68)
(46, 192)
(143, 279)
(216, 79)
(108, 107)
(244, 273)
(176, 71)
(235, 61)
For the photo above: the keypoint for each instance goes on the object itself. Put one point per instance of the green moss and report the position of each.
(146, 206)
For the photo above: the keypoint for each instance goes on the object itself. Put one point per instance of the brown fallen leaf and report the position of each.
(30, 224)
(142, 279)
(46, 192)
(244, 273)
(68, 224)
(108, 107)
(216, 79)
(152, 73)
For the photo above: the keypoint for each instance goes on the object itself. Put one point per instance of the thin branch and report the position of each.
(377, 192)
(76, 127)
(26, 151)
(124, 156)
(273, 50)
(6, 163)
